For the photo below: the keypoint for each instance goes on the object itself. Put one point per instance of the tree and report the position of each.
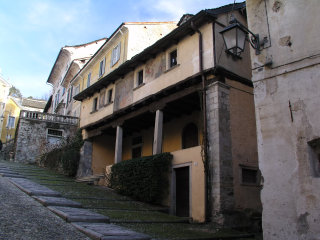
(15, 92)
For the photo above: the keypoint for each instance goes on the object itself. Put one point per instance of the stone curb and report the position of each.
(33, 189)
(57, 201)
(102, 231)
(79, 215)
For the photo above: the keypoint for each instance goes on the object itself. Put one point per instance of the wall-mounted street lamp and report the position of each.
(234, 37)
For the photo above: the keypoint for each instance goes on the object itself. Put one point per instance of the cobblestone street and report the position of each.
(21, 217)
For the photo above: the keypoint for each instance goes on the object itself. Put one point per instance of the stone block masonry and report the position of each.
(32, 133)
(220, 151)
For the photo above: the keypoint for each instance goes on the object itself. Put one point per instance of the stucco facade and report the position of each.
(69, 61)
(128, 40)
(287, 112)
(158, 106)
(10, 119)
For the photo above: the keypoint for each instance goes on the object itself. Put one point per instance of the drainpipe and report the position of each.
(205, 134)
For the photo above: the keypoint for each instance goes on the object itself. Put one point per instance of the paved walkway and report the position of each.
(17, 215)
(21, 217)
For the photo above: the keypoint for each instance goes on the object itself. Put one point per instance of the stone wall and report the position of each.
(220, 151)
(32, 139)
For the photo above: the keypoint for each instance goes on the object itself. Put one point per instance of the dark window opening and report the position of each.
(249, 176)
(136, 147)
(314, 156)
(190, 136)
(95, 104)
(54, 132)
(173, 58)
(110, 96)
(140, 77)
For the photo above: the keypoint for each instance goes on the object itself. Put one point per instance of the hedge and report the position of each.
(64, 159)
(144, 179)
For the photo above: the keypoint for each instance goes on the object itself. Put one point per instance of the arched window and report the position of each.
(190, 136)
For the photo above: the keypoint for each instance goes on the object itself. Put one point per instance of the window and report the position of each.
(314, 155)
(95, 104)
(54, 132)
(54, 136)
(140, 78)
(115, 55)
(136, 147)
(249, 175)
(68, 96)
(190, 136)
(102, 67)
(173, 58)
(11, 121)
(77, 89)
(102, 98)
(58, 97)
(70, 91)
(109, 96)
(88, 79)
(63, 91)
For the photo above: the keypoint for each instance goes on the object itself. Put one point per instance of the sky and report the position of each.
(32, 32)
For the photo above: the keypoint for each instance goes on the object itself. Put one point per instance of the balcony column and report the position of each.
(158, 127)
(118, 149)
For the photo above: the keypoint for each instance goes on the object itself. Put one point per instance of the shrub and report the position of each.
(144, 179)
(64, 159)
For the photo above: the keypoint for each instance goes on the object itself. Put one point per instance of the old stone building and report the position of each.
(286, 85)
(37, 132)
(186, 96)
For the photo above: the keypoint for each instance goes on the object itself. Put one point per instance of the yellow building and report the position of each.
(4, 92)
(10, 119)
(127, 40)
(186, 96)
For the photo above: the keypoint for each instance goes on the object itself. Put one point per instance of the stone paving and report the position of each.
(92, 224)
(23, 218)
(57, 201)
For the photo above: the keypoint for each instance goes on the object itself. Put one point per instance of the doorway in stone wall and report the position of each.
(182, 191)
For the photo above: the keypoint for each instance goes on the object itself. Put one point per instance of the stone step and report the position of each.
(105, 231)
(57, 201)
(79, 215)
(11, 175)
(33, 189)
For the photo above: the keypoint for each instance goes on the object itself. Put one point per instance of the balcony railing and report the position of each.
(49, 117)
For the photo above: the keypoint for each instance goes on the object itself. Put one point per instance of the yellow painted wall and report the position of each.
(244, 143)
(155, 81)
(11, 109)
(192, 157)
(86, 114)
(102, 153)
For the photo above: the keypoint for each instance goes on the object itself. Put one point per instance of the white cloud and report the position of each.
(174, 9)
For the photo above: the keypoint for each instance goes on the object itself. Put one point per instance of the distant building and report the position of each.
(10, 119)
(70, 59)
(4, 93)
(34, 105)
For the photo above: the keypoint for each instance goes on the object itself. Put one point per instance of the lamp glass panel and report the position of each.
(230, 38)
(241, 35)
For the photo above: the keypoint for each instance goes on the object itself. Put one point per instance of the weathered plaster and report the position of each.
(287, 106)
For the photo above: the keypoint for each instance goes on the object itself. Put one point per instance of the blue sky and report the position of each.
(33, 31)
